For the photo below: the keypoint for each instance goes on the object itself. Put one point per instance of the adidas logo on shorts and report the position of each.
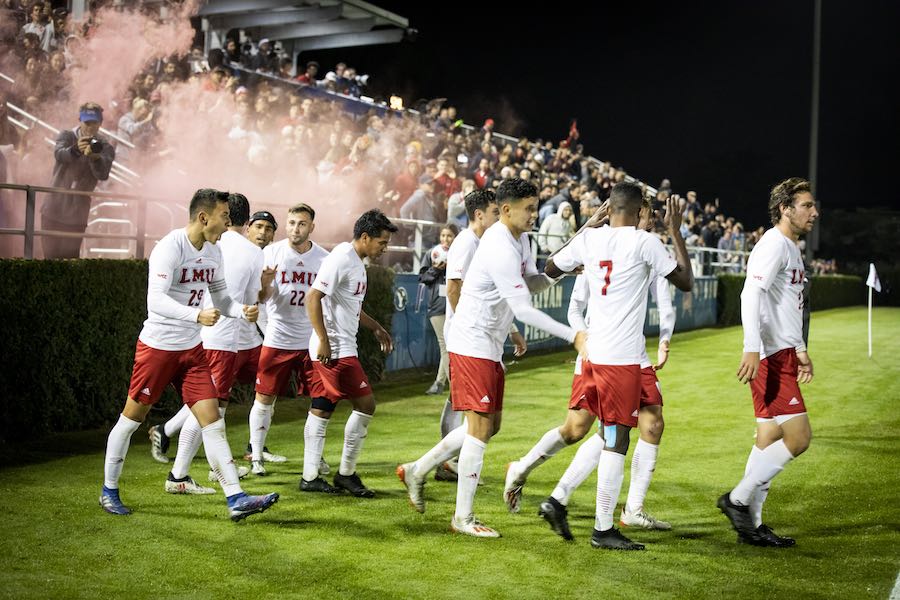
(634, 414)
(146, 391)
(363, 384)
(794, 402)
(485, 400)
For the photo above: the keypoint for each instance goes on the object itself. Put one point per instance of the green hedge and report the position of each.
(826, 291)
(68, 340)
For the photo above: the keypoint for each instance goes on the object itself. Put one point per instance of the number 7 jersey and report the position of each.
(618, 262)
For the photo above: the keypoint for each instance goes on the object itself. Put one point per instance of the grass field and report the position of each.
(840, 500)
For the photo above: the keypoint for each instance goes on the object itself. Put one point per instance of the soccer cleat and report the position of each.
(415, 486)
(242, 472)
(512, 491)
(557, 515)
(267, 456)
(642, 518)
(612, 539)
(354, 485)
(110, 502)
(258, 468)
(241, 506)
(445, 473)
(324, 467)
(435, 389)
(186, 485)
(472, 526)
(766, 537)
(318, 485)
(159, 443)
(739, 516)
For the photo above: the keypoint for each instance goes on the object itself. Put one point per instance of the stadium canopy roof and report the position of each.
(301, 26)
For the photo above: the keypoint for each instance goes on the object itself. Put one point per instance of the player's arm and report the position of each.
(577, 305)
(683, 275)
(454, 287)
(666, 310)
(381, 334)
(317, 319)
(266, 280)
(762, 269)
(223, 301)
(162, 267)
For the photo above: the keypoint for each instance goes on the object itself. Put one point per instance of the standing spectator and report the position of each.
(483, 174)
(433, 275)
(135, 127)
(407, 181)
(82, 159)
(556, 229)
(309, 76)
(421, 206)
(41, 26)
(456, 205)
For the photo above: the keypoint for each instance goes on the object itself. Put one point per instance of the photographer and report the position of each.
(82, 159)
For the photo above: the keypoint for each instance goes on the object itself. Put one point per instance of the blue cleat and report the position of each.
(110, 502)
(242, 506)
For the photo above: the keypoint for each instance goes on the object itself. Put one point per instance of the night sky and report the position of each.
(713, 95)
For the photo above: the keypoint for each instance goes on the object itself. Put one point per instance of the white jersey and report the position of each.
(459, 257)
(618, 262)
(497, 271)
(243, 267)
(776, 266)
(342, 278)
(179, 277)
(288, 326)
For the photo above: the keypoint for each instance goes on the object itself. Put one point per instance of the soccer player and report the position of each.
(618, 261)
(775, 359)
(581, 416)
(334, 305)
(294, 261)
(230, 357)
(184, 266)
(497, 289)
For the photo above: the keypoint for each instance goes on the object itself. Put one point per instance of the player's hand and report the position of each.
(600, 216)
(268, 276)
(324, 353)
(208, 316)
(84, 146)
(804, 368)
(251, 312)
(674, 210)
(662, 355)
(384, 338)
(518, 340)
(580, 342)
(749, 367)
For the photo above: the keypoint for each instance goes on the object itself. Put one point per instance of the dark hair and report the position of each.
(784, 194)
(514, 190)
(238, 209)
(479, 200)
(206, 199)
(301, 207)
(312, 63)
(453, 227)
(626, 197)
(372, 222)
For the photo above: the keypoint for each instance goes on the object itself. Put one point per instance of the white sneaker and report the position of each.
(642, 518)
(415, 486)
(257, 468)
(472, 526)
(512, 491)
(273, 458)
(324, 467)
(242, 472)
(186, 486)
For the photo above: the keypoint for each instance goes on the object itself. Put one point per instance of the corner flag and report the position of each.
(873, 283)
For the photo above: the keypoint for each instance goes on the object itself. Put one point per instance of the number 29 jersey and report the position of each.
(289, 327)
(618, 262)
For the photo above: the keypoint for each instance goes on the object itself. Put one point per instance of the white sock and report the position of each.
(354, 437)
(218, 453)
(769, 463)
(758, 498)
(174, 425)
(222, 410)
(313, 445)
(551, 443)
(583, 464)
(188, 443)
(471, 459)
(446, 449)
(610, 473)
(643, 463)
(260, 421)
(116, 449)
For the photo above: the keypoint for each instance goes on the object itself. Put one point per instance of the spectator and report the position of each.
(456, 205)
(41, 25)
(83, 158)
(136, 127)
(407, 181)
(309, 76)
(556, 229)
(421, 206)
(433, 275)
(710, 234)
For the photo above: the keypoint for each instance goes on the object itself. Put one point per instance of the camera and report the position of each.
(96, 145)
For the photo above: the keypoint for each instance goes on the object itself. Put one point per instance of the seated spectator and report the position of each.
(407, 181)
(482, 175)
(309, 75)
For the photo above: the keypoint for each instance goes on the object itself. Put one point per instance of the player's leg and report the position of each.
(767, 433)
(346, 379)
(160, 435)
(320, 411)
(554, 508)
(413, 474)
(481, 427)
(133, 414)
(437, 323)
(273, 374)
(643, 464)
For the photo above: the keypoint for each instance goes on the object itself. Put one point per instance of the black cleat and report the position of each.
(354, 485)
(740, 518)
(445, 473)
(612, 539)
(318, 485)
(557, 515)
(766, 537)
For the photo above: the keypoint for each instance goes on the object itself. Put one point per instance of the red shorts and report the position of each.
(154, 369)
(618, 393)
(274, 373)
(584, 394)
(476, 384)
(228, 367)
(651, 394)
(775, 389)
(343, 378)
